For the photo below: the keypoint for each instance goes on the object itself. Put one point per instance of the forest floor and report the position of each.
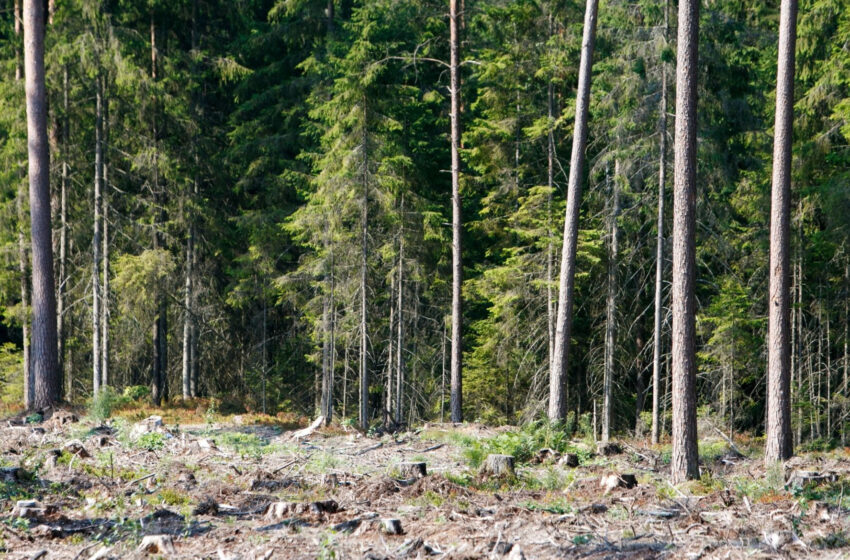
(226, 490)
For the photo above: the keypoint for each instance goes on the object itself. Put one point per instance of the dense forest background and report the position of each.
(210, 160)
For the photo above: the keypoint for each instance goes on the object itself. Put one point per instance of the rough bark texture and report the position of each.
(44, 361)
(558, 376)
(778, 443)
(684, 464)
(659, 251)
(457, 263)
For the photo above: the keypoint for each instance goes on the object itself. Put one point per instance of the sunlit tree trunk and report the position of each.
(399, 362)
(44, 348)
(684, 464)
(97, 240)
(563, 326)
(61, 332)
(457, 262)
(659, 246)
(778, 442)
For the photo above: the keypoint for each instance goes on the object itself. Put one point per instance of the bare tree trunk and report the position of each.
(160, 327)
(779, 444)
(685, 457)
(443, 379)
(187, 320)
(389, 394)
(104, 307)
(798, 349)
(457, 262)
(550, 182)
(558, 377)
(399, 364)
(659, 246)
(63, 240)
(345, 381)
(23, 257)
(611, 307)
(844, 361)
(97, 241)
(364, 232)
(44, 360)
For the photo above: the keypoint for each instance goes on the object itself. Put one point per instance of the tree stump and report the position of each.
(498, 466)
(569, 460)
(412, 470)
(608, 449)
(391, 526)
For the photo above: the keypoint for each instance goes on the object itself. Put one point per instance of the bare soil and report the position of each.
(228, 491)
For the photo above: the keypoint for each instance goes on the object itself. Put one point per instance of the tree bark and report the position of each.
(23, 258)
(44, 360)
(159, 388)
(97, 242)
(779, 444)
(659, 247)
(684, 463)
(558, 377)
(457, 262)
(399, 364)
(364, 234)
(550, 183)
(611, 307)
(63, 239)
(104, 307)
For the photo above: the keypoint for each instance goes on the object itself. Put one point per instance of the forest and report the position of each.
(355, 209)
(407, 278)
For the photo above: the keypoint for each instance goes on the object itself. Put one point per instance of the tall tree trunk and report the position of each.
(779, 443)
(97, 241)
(399, 363)
(844, 361)
(550, 249)
(390, 395)
(104, 301)
(23, 257)
(63, 239)
(659, 244)
(159, 389)
(457, 262)
(364, 234)
(187, 320)
(558, 377)
(44, 349)
(611, 306)
(685, 457)
(798, 348)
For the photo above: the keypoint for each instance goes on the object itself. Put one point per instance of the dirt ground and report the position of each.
(82, 490)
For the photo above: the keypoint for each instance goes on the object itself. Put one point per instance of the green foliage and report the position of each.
(151, 441)
(104, 402)
(137, 392)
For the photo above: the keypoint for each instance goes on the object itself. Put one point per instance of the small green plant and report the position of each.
(137, 392)
(151, 441)
(104, 402)
(34, 418)
(581, 539)
(327, 550)
(171, 497)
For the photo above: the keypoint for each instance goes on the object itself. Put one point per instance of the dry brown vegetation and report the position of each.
(238, 489)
